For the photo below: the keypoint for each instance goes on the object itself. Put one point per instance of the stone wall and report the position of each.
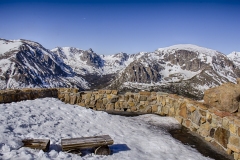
(7, 96)
(220, 128)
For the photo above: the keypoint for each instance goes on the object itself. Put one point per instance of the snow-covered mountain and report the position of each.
(26, 63)
(183, 69)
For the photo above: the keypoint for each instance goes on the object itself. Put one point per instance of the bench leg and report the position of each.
(102, 150)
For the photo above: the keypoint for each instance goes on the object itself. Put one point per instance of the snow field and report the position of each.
(142, 137)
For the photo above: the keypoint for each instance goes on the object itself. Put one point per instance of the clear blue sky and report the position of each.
(112, 26)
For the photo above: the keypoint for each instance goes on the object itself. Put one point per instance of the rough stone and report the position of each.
(108, 91)
(234, 148)
(133, 109)
(188, 123)
(114, 92)
(233, 128)
(209, 117)
(179, 119)
(110, 106)
(143, 98)
(234, 140)
(221, 136)
(146, 93)
(130, 104)
(224, 97)
(101, 91)
(154, 108)
(196, 116)
(183, 110)
(73, 99)
(191, 109)
(114, 99)
(225, 123)
(171, 112)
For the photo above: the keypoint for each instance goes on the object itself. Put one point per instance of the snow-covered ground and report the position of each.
(142, 137)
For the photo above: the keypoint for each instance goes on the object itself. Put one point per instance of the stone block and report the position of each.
(87, 102)
(183, 110)
(225, 123)
(133, 109)
(136, 97)
(73, 99)
(233, 128)
(234, 140)
(203, 120)
(195, 117)
(114, 99)
(237, 121)
(204, 130)
(209, 117)
(236, 155)
(222, 135)
(145, 93)
(188, 123)
(149, 109)
(234, 148)
(208, 139)
(110, 106)
(203, 113)
(66, 98)
(154, 108)
(81, 104)
(172, 112)
(114, 92)
(179, 119)
(191, 109)
(105, 101)
(101, 91)
(165, 110)
(143, 98)
(131, 104)
(109, 96)
(108, 91)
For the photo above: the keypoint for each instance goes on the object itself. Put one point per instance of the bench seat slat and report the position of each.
(86, 142)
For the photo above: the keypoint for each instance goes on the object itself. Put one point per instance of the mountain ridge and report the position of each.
(184, 69)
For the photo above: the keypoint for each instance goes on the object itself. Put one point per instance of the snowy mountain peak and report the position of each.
(191, 48)
(9, 45)
(234, 55)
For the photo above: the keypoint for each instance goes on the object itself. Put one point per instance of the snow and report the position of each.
(142, 137)
(175, 73)
(235, 57)
(6, 46)
(190, 47)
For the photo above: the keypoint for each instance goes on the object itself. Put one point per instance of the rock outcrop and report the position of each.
(224, 98)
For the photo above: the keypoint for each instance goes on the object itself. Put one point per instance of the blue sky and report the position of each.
(112, 26)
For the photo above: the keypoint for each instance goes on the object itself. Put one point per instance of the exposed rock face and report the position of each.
(182, 69)
(222, 135)
(31, 65)
(186, 70)
(225, 97)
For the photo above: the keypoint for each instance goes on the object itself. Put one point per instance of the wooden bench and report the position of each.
(98, 143)
(42, 144)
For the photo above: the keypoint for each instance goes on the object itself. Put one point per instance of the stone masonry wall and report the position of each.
(7, 96)
(220, 128)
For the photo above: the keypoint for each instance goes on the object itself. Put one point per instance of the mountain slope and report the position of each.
(183, 69)
(26, 63)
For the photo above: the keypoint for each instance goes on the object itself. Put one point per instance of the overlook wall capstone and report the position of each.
(219, 127)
